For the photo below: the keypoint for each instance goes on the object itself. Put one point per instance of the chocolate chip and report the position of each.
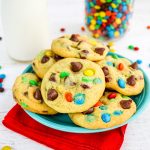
(25, 93)
(74, 37)
(1, 89)
(57, 57)
(76, 66)
(105, 70)
(85, 51)
(82, 57)
(89, 111)
(52, 77)
(52, 94)
(131, 80)
(125, 104)
(100, 50)
(45, 59)
(84, 86)
(134, 65)
(108, 79)
(37, 94)
(33, 64)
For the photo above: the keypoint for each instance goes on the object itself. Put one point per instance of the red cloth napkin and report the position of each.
(18, 121)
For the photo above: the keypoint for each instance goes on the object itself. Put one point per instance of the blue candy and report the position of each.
(139, 61)
(121, 83)
(119, 15)
(97, 81)
(2, 76)
(106, 117)
(124, 8)
(121, 31)
(79, 98)
(99, 22)
(109, 63)
(118, 112)
(110, 34)
(1, 85)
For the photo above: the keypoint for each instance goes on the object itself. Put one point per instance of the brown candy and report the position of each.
(52, 77)
(105, 70)
(57, 57)
(100, 50)
(45, 59)
(84, 86)
(134, 65)
(52, 94)
(76, 66)
(108, 79)
(131, 80)
(74, 37)
(89, 111)
(125, 104)
(37, 94)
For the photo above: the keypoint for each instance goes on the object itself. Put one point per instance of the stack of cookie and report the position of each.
(76, 77)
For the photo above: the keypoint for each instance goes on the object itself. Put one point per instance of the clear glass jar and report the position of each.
(108, 18)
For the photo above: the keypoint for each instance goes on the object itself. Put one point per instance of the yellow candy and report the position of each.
(113, 5)
(96, 35)
(96, 14)
(104, 20)
(93, 42)
(89, 72)
(102, 14)
(93, 22)
(48, 53)
(97, 7)
(112, 50)
(103, 1)
(118, 20)
(6, 148)
(110, 44)
(92, 27)
(116, 33)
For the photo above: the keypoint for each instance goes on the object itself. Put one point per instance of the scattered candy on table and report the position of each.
(82, 28)
(62, 29)
(131, 47)
(139, 61)
(108, 18)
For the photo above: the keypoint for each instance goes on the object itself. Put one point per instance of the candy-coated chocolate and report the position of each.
(121, 83)
(106, 117)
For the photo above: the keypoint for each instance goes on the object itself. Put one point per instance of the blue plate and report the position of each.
(62, 121)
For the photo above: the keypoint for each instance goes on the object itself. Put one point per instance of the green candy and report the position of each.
(130, 47)
(86, 79)
(33, 83)
(91, 4)
(115, 56)
(97, 81)
(90, 118)
(112, 100)
(64, 74)
(124, 96)
(24, 105)
(108, 1)
(24, 80)
(97, 26)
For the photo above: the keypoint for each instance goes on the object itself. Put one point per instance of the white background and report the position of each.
(70, 14)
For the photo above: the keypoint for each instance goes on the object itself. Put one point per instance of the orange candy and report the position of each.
(120, 66)
(68, 96)
(108, 13)
(99, 103)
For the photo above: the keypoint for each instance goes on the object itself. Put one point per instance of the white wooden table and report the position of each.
(71, 16)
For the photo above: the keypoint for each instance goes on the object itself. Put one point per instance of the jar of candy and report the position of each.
(108, 18)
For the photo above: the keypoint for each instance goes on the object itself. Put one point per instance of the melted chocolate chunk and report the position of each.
(89, 111)
(57, 57)
(25, 93)
(52, 94)
(108, 79)
(100, 50)
(76, 66)
(74, 37)
(125, 104)
(52, 77)
(105, 70)
(84, 86)
(134, 65)
(131, 80)
(45, 59)
(37, 94)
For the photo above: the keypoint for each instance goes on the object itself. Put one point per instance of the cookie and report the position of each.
(73, 85)
(27, 93)
(43, 61)
(77, 46)
(122, 75)
(111, 110)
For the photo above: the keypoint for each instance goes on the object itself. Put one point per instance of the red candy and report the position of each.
(136, 48)
(99, 103)
(1, 80)
(120, 66)
(68, 96)
(148, 27)
(112, 95)
(62, 29)
(82, 28)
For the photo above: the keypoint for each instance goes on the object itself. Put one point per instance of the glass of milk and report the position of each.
(25, 24)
